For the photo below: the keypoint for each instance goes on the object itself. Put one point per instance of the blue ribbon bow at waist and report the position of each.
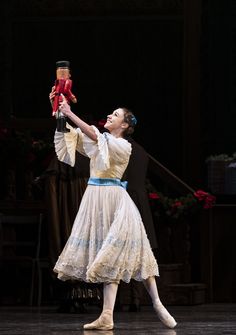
(107, 182)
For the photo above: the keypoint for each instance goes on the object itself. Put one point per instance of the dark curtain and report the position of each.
(64, 188)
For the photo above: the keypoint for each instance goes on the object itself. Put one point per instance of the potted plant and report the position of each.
(219, 171)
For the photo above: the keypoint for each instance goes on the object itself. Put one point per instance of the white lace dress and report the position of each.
(108, 241)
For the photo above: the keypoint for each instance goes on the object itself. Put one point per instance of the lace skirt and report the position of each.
(108, 241)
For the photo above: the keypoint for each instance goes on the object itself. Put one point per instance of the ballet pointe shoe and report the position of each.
(164, 315)
(104, 322)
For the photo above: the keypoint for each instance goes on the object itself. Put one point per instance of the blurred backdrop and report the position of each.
(173, 63)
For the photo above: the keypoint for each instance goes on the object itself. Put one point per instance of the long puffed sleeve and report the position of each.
(66, 145)
(103, 152)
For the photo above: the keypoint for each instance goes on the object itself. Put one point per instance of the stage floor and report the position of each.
(207, 319)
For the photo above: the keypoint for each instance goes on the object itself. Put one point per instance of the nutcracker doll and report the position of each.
(63, 85)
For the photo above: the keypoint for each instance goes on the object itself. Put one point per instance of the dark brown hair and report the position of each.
(130, 119)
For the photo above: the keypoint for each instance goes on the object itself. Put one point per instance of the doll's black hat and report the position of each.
(63, 63)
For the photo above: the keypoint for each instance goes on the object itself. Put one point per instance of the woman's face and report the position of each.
(115, 120)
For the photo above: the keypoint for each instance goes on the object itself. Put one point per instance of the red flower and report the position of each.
(205, 197)
(209, 201)
(153, 196)
(177, 204)
(200, 195)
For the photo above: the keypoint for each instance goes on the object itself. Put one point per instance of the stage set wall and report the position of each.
(172, 62)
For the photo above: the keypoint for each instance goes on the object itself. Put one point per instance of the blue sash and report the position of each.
(107, 182)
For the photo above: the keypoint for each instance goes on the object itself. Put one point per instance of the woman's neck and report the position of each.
(117, 133)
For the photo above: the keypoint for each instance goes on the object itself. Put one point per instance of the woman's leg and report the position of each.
(161, 311)
(105, 320)
(109, 295)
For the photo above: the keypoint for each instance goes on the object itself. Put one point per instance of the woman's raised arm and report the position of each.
(85, 127)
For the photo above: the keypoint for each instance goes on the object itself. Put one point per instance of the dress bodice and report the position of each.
(109, 156)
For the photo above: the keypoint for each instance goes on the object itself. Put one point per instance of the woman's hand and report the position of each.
(52, 95)
(64, 107)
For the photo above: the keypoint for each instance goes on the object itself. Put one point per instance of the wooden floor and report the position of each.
(192, 320)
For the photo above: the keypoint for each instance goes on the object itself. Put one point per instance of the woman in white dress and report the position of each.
(108, 241)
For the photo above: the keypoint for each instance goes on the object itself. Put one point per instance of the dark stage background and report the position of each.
(172, 62)
(115, 61)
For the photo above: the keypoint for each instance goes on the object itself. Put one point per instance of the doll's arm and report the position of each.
(67, 91)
